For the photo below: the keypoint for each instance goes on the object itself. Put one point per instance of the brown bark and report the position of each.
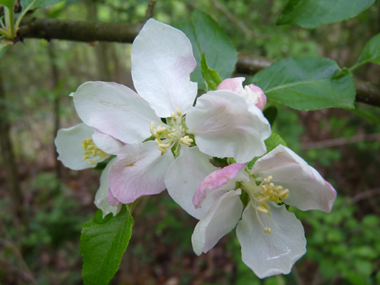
(56, 104)
(8, 157)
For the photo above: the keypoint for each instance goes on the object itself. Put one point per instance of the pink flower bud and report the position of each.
(250, 92)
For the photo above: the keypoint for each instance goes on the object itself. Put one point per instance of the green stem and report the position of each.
(355, 66)
(23, 14)
(9, 28)
(4, 33)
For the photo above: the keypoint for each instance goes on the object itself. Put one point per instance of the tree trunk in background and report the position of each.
(8, 158)
(56, 104)
(100, 47)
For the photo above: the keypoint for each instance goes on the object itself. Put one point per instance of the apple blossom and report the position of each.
(167, 140)
(251, 92)
(272, 239)
(81, 147)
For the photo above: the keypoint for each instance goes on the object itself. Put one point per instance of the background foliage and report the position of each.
(42, 247)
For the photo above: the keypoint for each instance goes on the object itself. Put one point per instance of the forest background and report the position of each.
(41, 214)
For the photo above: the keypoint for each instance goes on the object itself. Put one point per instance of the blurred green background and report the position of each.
(42, 246)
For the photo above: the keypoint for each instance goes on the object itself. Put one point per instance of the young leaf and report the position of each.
(208, 38)
(307, 84)
(211, 76)
(271, 143)
(371, 52)
(37, 3)
(314, 13)
(102, 246)
(8, 3)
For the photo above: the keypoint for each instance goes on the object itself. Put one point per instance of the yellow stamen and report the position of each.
(92, 151)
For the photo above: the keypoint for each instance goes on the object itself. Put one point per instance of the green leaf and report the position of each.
(307, 84)
(8, 3)
(208, 38)
(37, 3)
(371, 52)
(211, 76)
(271, 114)
(3, 48)
(271, 143)
(314, 13)
(102, 246)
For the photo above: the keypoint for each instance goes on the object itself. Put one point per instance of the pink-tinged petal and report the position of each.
(69, 146)
(162, 60)
(274, 253)
(111, 198)
(307, 189)
(225, 125)
(116, 110)
(101, 200)
(183, 177)
(106, 143)
(256, 96)
(220, 180)
(217, 222)
(233, 84)
(138, 170)
(251, 92)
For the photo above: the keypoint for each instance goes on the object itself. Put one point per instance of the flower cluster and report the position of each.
(161, 137)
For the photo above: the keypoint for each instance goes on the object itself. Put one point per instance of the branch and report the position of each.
(78, 31)
(125, 33)
(341, 141)
(366, 195)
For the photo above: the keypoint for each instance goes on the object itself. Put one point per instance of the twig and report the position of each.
(296, 275)
(365, 195)
(341, 141)
(234, 19)
(17, 253)
(150, 10)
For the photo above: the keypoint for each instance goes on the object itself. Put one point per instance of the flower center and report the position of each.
(260, 194)
(172, 134)
(91, 151)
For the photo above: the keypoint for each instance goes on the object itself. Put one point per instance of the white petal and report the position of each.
(138, 170)
(307, 189)
(225, 125)
(162, 60)
(106, 143)
(101, 195)
(217, 222)
(69, 146)
(184, 176)
(116, 110)
(274, 253)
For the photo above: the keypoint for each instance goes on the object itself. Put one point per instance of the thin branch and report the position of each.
(233, 18)
(125, 33)
(366, 195)
(150, 10)
(341, 141)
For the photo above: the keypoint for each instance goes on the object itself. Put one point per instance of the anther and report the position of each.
(267, 230)
(151, 127)
(262, 209)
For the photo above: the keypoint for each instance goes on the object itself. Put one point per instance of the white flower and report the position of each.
(82, 147)
(272, 239)
(160, 127)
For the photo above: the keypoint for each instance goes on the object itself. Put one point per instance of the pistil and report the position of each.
(171, 135)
